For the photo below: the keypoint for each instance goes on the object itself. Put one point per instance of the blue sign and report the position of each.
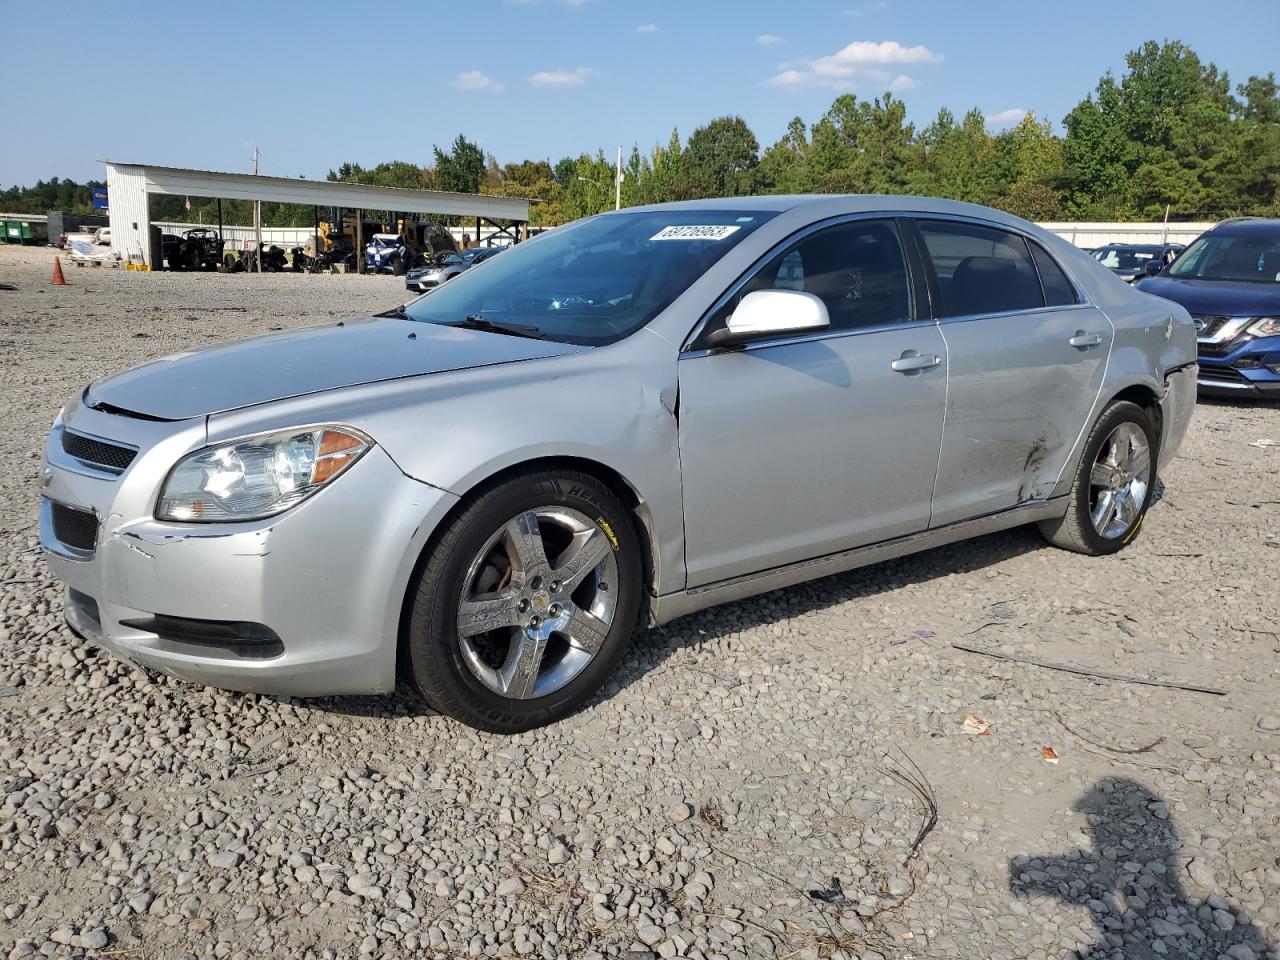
(100, 198)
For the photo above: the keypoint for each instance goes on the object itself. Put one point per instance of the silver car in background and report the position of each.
(622, 421)
(448, 266)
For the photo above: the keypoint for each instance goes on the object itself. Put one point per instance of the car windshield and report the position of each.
(1254, 258)
(594, 281)
(1125, 258)
(385, 241)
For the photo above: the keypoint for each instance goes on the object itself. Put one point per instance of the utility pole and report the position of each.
(257, 222)
(617, 183)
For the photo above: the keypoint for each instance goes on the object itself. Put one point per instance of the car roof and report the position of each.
(818, 203)
(1248, 228)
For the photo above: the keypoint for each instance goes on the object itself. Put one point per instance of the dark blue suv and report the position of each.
(1229, 281)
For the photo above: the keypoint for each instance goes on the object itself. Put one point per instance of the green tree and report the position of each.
(462, 169)
(722, 159)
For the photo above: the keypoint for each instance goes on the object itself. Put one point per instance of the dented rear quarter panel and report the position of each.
(1153, 338)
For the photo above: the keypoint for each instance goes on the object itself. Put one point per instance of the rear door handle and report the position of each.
(1082, 339)
(914, 361)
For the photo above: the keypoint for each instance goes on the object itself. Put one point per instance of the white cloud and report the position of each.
(769, 39)
(562, 78)
(862, 60)
(474, 80)
(1006, 118)
(647, 28)
(903, 82)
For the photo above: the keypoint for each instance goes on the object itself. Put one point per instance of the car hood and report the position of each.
(299, 362)
(1217, 298)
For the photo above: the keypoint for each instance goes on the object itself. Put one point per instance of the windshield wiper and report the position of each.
(399, 312)
(476, 322)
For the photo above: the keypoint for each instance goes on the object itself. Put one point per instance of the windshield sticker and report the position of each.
(695, 233)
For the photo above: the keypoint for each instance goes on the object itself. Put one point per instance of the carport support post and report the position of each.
(219, 218)
(477, 231)
(315, 230)
(360, 240)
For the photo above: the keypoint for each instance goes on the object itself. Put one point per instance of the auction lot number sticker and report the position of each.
(695, 233)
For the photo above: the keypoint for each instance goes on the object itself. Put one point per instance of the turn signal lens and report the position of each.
(337, 449)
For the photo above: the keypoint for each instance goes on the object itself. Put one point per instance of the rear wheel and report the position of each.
(1113, 485)
(527, 603)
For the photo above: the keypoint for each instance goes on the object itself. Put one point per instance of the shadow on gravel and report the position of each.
(1131, 881)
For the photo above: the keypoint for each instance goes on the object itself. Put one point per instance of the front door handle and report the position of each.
(1082, 339)
(914, 361)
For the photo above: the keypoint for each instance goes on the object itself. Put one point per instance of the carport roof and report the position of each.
(181, 181)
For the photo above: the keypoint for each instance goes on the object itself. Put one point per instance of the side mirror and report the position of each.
(771, 313)
(1153, 267)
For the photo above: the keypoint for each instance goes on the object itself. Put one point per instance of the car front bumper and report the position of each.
(1250, 369)
(306, 603)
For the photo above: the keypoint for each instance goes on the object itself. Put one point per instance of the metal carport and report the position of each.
(130, 184)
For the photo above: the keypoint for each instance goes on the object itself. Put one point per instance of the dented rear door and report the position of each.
(1018, 396)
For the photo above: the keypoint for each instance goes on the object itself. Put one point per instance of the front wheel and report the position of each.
(1113, 485)
(527, 603)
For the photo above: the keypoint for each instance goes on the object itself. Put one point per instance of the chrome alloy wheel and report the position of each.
(1119, 480)
(537, 602)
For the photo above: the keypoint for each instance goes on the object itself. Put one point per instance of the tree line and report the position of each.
(1169, 133)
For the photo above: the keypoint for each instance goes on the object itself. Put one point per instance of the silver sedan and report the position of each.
(622, 421)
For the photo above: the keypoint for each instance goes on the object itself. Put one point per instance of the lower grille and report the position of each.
(75, 528)
(1223, 375)
(109, 456)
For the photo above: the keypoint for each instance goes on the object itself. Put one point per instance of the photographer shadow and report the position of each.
(1131, 881)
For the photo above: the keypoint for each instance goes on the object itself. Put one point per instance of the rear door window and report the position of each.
(980, 269)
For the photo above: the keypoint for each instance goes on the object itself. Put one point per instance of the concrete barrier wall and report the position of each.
(1090, 235)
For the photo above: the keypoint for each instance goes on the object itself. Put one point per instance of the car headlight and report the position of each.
(257, 476)
(1265, 327)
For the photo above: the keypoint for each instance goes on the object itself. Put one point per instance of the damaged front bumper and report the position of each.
(305, 603)
(1176, 407)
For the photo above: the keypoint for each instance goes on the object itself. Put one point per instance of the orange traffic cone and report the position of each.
(58, 280)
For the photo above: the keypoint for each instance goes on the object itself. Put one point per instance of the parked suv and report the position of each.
(624, 420)
(1229, 280)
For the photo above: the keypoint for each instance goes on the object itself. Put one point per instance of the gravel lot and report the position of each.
(736, 792)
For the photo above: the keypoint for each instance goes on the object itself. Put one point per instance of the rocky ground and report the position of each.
(760, 780)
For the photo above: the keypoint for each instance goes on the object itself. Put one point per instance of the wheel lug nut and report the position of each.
(555, 610)
(555, 586)
(524, 606)
(535, 622)
(536, 583)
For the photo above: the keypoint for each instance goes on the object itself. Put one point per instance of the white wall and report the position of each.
(237, 235)
(128, 214)
(1089, 235)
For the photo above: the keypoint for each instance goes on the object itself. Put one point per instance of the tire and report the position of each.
(397, 265)
(1093, 524)
(478, 672)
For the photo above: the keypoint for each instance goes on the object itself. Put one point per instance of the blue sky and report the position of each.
(316, 84)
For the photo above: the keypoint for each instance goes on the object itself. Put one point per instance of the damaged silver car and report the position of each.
(622, 421)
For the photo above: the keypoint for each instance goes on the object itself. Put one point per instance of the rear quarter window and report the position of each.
(1058, 291)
